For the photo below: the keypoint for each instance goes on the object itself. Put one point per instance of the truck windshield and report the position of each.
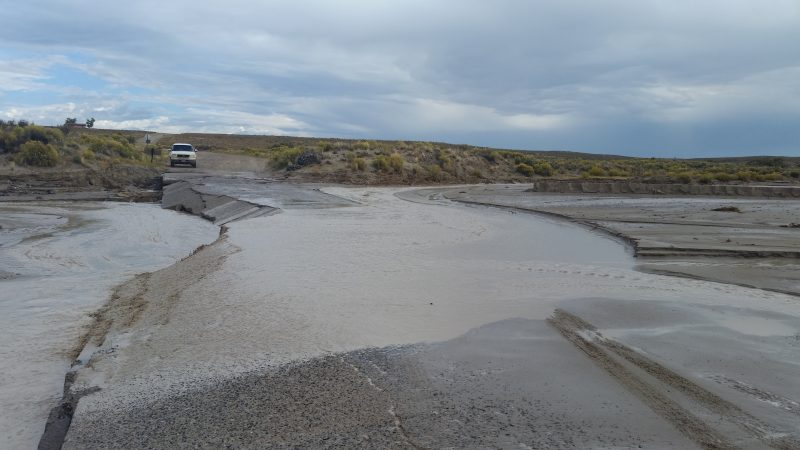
(182, 148)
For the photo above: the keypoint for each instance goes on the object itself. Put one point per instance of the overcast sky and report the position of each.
(638, 77)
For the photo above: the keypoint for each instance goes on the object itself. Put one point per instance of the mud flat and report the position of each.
(747, 241)
(364, 320)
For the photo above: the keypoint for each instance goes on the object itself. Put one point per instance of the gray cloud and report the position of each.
(649, 77)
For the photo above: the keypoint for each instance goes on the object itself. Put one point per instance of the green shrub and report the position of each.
(396, 162)
(722, 176)
(525, 169)
(444, 160)
(12, 140)
(596, 171)
(543, 169)
(359, 164)
(282, 157)
(381, 162)
(794, 174)
(35, 153)
(116, 145)
(705, 178)
(435, 172)
(615, 172)
(684, 177)
(491, 156)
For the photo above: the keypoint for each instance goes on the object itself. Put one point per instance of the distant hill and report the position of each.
(415, 162)
(35, 148)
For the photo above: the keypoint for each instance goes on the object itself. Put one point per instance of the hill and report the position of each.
(26, 148)
(413, 162)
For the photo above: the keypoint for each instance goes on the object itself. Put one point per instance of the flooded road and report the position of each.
(58, 264)
(374, 299)
(387, 317)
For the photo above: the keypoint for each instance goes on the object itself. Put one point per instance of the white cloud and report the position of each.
(160, 123)
(445, 115)
(581, 75)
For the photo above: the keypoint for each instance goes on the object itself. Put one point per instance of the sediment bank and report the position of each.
(663, 189)
(744, 241)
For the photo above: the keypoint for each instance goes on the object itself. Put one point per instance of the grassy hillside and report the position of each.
(34, 146)
(31, 147)
(406, 162)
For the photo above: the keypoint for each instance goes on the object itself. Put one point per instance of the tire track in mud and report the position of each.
(602, 351)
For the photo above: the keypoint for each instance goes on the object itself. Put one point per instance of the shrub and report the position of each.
(396, 162)
(12, 140)
(706, 178)
(543, 169)
(282, 157)
(596, 171)
(116, 145)
(359, 164)
(435, 172)
(443, 158)
(525, 169)
(381, 162)
(794, 174)
(722, 176)
(35, 153)
(615, 172)
(491, 156)
(684, 177)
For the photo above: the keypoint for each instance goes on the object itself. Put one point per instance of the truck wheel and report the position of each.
(194, 165)
(172, 163)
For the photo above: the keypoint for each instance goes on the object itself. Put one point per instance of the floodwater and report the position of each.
(58, 263)
(383, 272)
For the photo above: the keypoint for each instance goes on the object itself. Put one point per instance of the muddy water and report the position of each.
(386, 271)
(58, 263)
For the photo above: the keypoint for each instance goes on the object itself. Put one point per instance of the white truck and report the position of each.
(182, 154)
